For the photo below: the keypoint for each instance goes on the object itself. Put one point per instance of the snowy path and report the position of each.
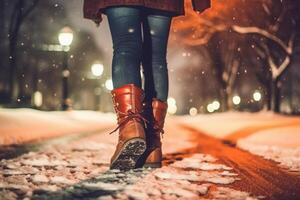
(258, 176)
(196, 166)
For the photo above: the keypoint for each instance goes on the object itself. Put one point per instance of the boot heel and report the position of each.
(128, 156)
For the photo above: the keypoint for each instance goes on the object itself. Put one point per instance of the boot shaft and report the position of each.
(159, 111)
(127, 102)
(127, 99)
(155, 112)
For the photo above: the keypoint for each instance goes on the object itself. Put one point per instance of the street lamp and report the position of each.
(65, 38)
(97, 69)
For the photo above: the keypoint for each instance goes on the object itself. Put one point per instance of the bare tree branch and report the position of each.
(233, 73)
(257, 30)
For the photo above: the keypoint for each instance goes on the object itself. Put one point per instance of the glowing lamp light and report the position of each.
(171, 101)
(210, 108)
(97, 69)
(236, 100)
(65, 37)
(109, 84)
(172, 108)
(37, 99)
(193, 111)
(257, 96)
(216, 105)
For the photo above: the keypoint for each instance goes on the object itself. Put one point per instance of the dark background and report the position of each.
(233, 49)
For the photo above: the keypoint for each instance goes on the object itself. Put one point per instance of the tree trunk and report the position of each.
(275, 95)
(3, 80)
(269, 96)
(225, 100)
(12, 67)
(17, 17)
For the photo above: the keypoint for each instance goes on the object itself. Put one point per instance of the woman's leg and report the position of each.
(156, 33)
(127, 95)
(156, 27)
(125, 27)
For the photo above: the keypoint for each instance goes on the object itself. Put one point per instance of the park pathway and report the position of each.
(196, 166)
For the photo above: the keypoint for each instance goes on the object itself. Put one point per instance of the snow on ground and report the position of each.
(69, 172)
(23, 125)
(79, 170)
(221, 125)
(273, 136)
(279, 144)
(288, 137)
(270, 135)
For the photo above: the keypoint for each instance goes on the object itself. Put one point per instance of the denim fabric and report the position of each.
(140, 36)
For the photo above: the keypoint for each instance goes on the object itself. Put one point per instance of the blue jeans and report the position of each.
(140, 36)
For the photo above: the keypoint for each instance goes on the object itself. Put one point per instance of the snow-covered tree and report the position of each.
(270, 24)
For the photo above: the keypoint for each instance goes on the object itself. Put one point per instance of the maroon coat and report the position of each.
(92, 8)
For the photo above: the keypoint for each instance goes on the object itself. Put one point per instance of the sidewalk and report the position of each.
(196, 164)
(79, 170)
(272, 136)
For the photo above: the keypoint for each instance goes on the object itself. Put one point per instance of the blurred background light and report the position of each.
(172, 107)
(37, 99)
(97, 69)
(216, 105)
(257, 96)
(210, 108)
(193, 111)
(109, 85)
(236, 100)
(65, 37)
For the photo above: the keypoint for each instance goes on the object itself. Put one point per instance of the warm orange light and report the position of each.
(197, 28)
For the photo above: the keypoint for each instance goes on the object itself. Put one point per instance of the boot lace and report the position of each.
(129, 116)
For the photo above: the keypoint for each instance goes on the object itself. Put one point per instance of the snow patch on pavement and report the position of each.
(287, 157)
(194, 176)
(198, 165)
(61, 180)
(102, 186)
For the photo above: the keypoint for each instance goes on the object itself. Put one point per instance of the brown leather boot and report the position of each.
(156, 115)
(127, 102)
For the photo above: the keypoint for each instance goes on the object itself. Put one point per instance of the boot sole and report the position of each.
(128, 156)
